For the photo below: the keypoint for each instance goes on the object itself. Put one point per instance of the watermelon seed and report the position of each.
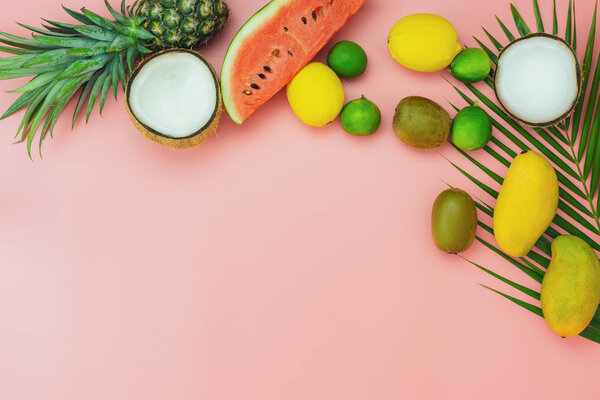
(254, 86)
(304, 20)
(262, 76)
(290, 53)
(314, 15)
(268, 69)
(247, 92)
(285, 29)
(275, 52)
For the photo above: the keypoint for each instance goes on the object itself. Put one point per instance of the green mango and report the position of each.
(571, 287)
(453, 221)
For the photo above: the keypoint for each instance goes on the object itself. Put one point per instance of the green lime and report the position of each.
(347, 59)
(471, 129)
(471, 66)
(360, 117)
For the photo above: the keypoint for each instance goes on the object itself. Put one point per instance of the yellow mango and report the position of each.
(526, 204)
(571, 287)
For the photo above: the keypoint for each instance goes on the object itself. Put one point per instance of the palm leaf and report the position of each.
(573, 146)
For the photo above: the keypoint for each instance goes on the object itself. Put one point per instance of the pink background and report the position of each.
(275, 261)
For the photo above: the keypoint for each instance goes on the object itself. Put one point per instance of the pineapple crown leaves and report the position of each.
(573, 146)
(91, 57)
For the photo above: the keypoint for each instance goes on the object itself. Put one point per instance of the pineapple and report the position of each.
(183, 23)
(93, 55)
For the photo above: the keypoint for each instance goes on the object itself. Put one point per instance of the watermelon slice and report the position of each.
(274, 45)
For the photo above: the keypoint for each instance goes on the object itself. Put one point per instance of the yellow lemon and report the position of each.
(316, 95)
(424, 42)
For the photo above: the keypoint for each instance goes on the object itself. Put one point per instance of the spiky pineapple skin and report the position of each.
(183, 23)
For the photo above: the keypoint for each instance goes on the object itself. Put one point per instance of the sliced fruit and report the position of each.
(274, 45)
(538, 79)
(174, 99)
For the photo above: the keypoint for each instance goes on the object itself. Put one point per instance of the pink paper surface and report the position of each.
(275, 261)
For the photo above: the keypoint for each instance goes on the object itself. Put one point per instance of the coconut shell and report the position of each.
(579, 82)
(176, 143)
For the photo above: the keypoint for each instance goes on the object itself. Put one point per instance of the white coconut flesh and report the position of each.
(174, 94)
(537, 80)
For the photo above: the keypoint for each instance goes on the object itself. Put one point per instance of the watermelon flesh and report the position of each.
(274, 45)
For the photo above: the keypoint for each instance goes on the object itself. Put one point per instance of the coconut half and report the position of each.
(174, 98)
(538, 79)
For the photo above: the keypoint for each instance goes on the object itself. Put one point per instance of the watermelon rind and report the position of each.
(255, 22)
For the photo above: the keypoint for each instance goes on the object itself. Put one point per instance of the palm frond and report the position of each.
(572, 146)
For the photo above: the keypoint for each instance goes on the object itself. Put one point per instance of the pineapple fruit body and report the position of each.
(183, 23)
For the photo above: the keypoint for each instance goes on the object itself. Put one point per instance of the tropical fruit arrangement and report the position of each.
(545, 219)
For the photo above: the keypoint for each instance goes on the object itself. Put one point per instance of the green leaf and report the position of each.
(104, 93)
(521, 288)
(489, 52)
(492, 39)
(42, 31)
(48, 58)
(22, 102)
(519, 21)
(94, 94)
(539, 259)
(118, 17)
(485, 169)
(78, 16)
(17, 50)
(554, 20)
(21, 43)
(84, 66)
(64, 42)
(525, 269)
(84, 95)
(41, 113)
(24, 72)
(538, 16)
(96, 33)
(132, 53)
(119, 44)
(569, 29)
(588, 333)
(122, 74)
(493, 193)
(574, 43)
(114, 73)
(143, 34)
(38, 81)
(506, 31)
(534, 309)
(98, 20)
(60, 26)
(98, 49)
(15, 61)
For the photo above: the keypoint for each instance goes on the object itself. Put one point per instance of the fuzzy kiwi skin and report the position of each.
(422, 123)
(176, 143)
(579, 82)
(453, 221)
